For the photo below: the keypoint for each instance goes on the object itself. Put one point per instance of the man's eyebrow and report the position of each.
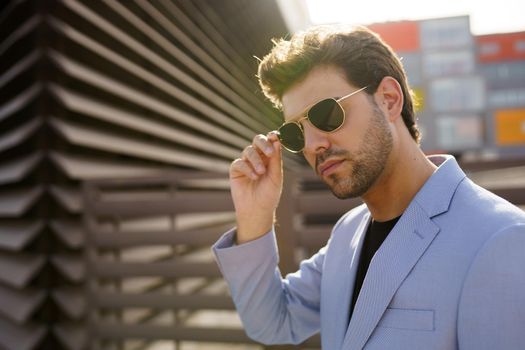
(303, 113)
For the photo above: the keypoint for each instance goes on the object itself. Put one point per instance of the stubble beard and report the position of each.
(367, 164)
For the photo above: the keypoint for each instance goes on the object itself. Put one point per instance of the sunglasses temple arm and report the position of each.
(351, 94)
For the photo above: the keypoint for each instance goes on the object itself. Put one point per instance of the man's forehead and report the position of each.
(321, 83)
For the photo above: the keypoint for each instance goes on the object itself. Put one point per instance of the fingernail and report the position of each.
(260, 169)
(268, 151)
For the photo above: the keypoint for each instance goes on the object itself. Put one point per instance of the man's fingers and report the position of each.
(264, 144)
(240, 167)
(253, 157)
(256, 157)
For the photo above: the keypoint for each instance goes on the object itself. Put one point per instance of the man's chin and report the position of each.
(342, 193)
(345, 195)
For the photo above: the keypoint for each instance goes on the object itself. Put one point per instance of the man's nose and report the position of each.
(315, 140)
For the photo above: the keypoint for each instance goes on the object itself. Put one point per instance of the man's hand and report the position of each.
(256, 181)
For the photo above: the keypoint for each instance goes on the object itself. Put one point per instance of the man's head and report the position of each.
(363, 57)
(326, 63)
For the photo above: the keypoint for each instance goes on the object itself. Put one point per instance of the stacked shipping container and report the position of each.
(471, 91)
(501, 60)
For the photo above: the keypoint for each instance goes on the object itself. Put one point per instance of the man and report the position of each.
(429, 261)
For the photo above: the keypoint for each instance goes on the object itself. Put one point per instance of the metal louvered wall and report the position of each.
(97, 89)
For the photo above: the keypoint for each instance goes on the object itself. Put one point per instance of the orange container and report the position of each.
(401, 36)
(510, 127)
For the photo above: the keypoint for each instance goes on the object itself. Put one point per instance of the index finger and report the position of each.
(273, 135)
(264, 144)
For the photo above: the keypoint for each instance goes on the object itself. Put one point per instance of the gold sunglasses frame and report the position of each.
(298, 121)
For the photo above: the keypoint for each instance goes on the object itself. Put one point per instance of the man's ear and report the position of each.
(390, 97)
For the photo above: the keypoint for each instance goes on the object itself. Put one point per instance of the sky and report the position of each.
(486, 16)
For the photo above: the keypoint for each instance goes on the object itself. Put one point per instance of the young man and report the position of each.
(429, 261)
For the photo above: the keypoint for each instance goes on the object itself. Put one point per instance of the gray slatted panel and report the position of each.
(113, 89)
(17, 270)
(18, 305)
(15, 170)
(15, 235)
(22, 259)
(70, 232)
(72, 301)
(130, 225)
(22, 337)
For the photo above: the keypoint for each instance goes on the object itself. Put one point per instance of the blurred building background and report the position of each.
(118, 121)
(471, 89)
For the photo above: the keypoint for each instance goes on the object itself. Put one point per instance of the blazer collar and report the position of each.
(436, 194)
(401, 250)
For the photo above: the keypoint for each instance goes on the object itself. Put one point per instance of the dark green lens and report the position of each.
(326, 115)
(291, 137)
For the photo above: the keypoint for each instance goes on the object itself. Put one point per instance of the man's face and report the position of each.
(351, 159)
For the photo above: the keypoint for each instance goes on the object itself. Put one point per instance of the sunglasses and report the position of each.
(326, 115)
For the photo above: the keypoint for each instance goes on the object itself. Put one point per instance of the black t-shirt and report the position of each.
(375, 235)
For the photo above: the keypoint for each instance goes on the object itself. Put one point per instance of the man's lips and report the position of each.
(329, 166)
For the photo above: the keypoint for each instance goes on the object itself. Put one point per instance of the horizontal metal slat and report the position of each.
(211, 61)
(167, 269)
(160, 62)
(193, 66)
(476, 165)
(97, 139)
(19, 67)
(314, 236)
(70, 232)
(20, 337)
(128, 120)
(170, 89)
(14, 203)
(18, 305)
(17, 103)
(17, 169)
(27, 27)
(16, 270)
(179, 177)
(71, 266)
(107, 330)
(512, 177)
(111, 300)
(15, 235)
(72, 336)
(72, 300)
(80, 167)
(203, 236)
(201, 202)
(19, 134)
(514, 195)
(69, 197)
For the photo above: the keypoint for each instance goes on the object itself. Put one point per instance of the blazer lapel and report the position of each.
(340, 284)
(394, 260)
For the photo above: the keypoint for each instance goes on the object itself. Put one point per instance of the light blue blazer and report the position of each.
(450, 275)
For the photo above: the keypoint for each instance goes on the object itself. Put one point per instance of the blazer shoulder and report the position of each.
(492, 306)
(488, 202)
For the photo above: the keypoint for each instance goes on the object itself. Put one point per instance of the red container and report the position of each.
(501, 47)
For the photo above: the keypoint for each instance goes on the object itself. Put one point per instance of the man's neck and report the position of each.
(404, 175)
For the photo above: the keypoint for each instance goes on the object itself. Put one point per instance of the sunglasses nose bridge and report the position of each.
(314, 139)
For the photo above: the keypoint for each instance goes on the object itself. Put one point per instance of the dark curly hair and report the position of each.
(364, 57)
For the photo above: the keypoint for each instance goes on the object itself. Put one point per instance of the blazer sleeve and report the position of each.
(273, 310)
(492, 305)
